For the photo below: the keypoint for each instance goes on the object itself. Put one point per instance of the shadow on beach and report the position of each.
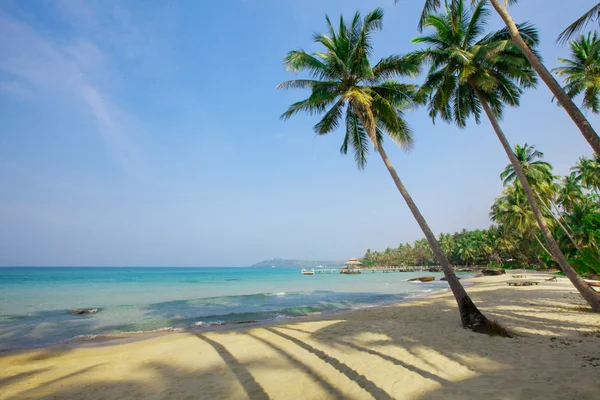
(409, 350)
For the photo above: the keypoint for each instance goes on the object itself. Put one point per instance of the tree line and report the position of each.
(571, 206)
(471, 72)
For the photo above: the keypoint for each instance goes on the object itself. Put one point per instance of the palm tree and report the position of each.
(512, 209)
(582, 71)
(469, 73)
(570, 193)
(519, 38)
(592, 15)
(540, 178)
(578, 216)
(344, 81)
(587, 172)
(538, 172)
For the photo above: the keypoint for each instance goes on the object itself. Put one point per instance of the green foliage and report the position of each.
(581, 72)
(468, 66)
(587, 261)
(592, 15)
(347, 90)
(515, 240)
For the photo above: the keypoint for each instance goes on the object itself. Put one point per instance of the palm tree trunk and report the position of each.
(542, 245)
(561, 96)
(470, 315)
(558, 221)
(591, 296)
(560, 216)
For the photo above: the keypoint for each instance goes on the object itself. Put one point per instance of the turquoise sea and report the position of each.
(34, 302)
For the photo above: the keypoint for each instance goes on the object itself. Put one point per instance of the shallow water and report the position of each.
(34, 302)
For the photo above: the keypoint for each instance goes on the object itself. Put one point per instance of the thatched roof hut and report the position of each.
(353, 262)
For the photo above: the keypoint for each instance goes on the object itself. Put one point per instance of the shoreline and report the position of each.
(412, 349)
(238, 325)
(128, 337)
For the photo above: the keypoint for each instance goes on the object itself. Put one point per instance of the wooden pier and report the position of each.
(388, 270)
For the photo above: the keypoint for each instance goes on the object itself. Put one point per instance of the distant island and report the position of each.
(278, 262)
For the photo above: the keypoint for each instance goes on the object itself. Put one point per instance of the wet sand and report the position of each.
(410, 350)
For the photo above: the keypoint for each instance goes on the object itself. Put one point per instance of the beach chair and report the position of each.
(522, 283)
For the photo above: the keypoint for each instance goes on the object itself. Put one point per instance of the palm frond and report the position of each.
(592, 15)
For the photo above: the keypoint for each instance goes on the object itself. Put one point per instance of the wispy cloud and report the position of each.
(16, 89)
(34, 64)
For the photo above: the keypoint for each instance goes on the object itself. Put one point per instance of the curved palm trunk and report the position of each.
(542, 245)
(561, 96)
(470, 315)
(591, 296)
(560, 216)
(557, 219)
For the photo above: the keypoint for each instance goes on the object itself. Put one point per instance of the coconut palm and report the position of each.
(345, 82)
(538, 172)
(582, 71)
(587, 172)
(570, 193)
(512, 209)
(519, 38)
(470, 72)
(540, 178)
(592, 15)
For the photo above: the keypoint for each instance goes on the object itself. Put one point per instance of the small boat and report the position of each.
(308, 271)
(592, 282)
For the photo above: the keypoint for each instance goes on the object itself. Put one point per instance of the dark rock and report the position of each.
(435, 269)
(492, 272)
(423, 279)
(84, 311)
(443, 278)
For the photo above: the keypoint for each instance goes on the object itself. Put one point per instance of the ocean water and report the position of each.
(34, 302)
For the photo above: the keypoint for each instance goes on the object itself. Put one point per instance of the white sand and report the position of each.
(412, 350)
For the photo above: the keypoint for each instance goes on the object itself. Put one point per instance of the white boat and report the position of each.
(308, 271)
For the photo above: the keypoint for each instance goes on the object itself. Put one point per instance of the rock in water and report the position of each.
(84, 311)
(492, 272)
(423, 279)
(443, 278)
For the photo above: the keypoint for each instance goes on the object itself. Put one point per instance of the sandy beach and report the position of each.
(410, 350)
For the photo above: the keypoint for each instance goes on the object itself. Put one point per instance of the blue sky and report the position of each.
(148, 133)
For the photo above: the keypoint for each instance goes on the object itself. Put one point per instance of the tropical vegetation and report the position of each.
(540, 219)
(580, 23)
(471, 71)
(571, 208)
(513, 30)
(345, 86)
(581, 72)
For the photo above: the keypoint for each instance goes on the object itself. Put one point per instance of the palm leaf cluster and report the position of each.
(463, 61)
(581, 72)
(344, 86)
(592, 15)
